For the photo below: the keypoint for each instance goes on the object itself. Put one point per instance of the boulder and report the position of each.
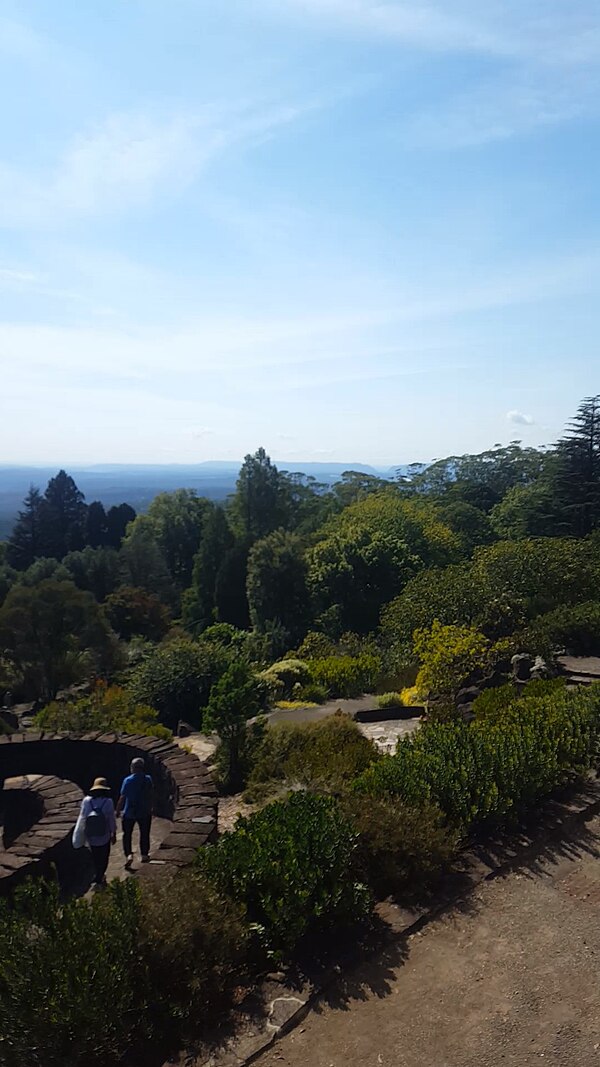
(184, 729)
(468, 695)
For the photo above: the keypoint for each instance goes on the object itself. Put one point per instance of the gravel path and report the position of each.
(321, 711)
(512, 980)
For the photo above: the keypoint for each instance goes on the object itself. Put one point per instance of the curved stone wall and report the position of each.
(56, 804)
(184, 789)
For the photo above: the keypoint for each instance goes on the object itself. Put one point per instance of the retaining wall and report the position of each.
(184, 789)
(53, 805)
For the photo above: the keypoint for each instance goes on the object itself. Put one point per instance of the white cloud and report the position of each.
(517, 418)
(129, 158)
(506, 106)
(417, 24)
(548, 54)
(15, 276)
(21, 41)
(549, 29)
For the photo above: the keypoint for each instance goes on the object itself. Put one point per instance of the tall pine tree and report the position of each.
(64, 517)
(576, 476)
(199, 601)
(96, 526)
(258, 505)
(25, 543)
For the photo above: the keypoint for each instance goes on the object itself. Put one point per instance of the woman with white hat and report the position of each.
(97, 825)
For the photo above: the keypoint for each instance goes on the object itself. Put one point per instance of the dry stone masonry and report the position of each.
(184, 792)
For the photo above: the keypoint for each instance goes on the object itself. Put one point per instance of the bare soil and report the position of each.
(509, 979)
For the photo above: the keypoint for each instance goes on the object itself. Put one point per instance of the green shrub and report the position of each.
(71, 989)
(281, 678)
(135, 967)
(291, 867)
(402, 850)
(346, 676)
(488, 769)
(194, 944)
(234, 699)
(316, 646)
(390, 700)
(312, 693)
(448, 656)
(493, 704)
(325, 755)
(106, 708)
(177, 678)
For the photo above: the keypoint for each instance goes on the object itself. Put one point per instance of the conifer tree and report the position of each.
(258, 505)
(96, 526)
(64, 517)
(25, 543)
(576, 476)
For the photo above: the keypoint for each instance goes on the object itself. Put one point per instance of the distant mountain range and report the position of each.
(137, 484)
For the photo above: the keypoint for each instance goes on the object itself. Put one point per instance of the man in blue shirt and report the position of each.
(135, 802)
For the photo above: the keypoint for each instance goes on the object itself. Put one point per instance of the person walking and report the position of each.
(97, 825)
(135, 803)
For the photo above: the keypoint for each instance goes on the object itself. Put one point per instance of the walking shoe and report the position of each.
(128, 861)
(145, 859)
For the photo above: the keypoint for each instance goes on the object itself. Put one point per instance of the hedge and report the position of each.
(486, 770)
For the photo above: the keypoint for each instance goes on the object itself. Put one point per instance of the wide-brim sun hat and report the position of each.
(100, 786)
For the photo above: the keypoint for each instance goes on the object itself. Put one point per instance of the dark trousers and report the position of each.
(144, 825)
(100, 854)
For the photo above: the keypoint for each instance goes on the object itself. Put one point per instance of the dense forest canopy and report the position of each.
(498, 542)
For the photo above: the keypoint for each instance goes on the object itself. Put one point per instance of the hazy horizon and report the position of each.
(330, 227)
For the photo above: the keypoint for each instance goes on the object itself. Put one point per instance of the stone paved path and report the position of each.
(510, 981)
(81, 884)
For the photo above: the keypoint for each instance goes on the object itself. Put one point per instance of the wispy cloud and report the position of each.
(20, 41)
(505, 106)
(546, 57)
(422, 25)
(131, 157)
(550, 29)
(518, 418)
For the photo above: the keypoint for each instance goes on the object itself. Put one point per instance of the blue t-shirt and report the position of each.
(137, 790)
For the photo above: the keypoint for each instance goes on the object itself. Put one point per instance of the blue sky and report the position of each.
(343, 229)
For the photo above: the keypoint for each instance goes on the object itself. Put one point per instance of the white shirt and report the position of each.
(101, 804)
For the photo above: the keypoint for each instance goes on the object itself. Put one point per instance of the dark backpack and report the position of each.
(95, 824)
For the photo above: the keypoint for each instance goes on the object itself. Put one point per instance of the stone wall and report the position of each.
(184, 789)
(55, 805)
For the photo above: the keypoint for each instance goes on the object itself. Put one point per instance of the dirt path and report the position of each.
(512, 980)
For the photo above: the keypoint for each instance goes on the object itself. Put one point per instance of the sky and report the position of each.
(345, 230)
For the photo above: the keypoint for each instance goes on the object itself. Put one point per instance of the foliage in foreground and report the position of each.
(487, 770)
(89, 981)
(291, 866)
(60, 969)
(106, 708)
